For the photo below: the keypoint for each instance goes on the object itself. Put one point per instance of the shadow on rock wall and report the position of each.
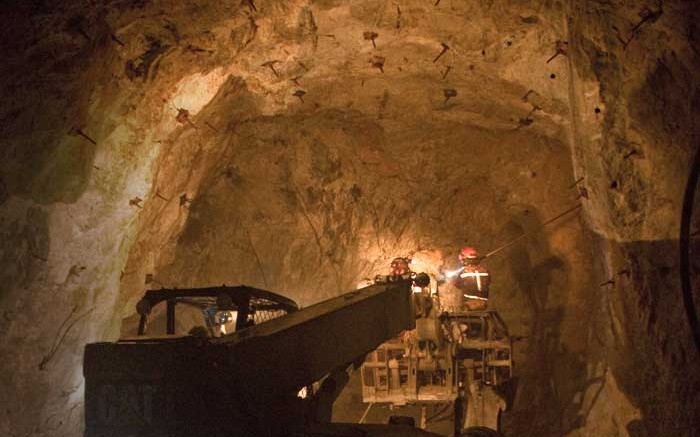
(25, 248)
(552, 375)
(650, 347)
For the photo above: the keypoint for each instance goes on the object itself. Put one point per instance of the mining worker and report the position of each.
(400, 266)
(473, 281)
(399, 269)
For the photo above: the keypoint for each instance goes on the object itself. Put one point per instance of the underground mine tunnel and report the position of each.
(300, 146)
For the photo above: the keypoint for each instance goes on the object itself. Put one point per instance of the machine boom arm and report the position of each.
(242, 384)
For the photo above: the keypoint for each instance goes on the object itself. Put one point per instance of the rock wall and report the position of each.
(321, 139)
(634, 155)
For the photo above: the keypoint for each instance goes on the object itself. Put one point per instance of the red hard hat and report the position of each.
(468, 253)
(400, 266)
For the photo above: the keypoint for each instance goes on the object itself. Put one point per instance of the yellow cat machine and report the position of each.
(451, 357)
(242, 369)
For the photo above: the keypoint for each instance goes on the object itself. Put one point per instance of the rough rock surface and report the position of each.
(306, 158)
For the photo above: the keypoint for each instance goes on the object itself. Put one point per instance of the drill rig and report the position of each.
(460, 357)
(243, 373)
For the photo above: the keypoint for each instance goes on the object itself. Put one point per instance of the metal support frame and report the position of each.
(237, 298)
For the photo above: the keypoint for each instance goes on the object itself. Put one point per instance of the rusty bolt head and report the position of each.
(370, 35)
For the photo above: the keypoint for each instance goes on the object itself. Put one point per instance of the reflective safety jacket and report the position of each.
(474, 282)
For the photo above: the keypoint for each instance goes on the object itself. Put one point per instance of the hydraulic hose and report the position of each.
(685, 237)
